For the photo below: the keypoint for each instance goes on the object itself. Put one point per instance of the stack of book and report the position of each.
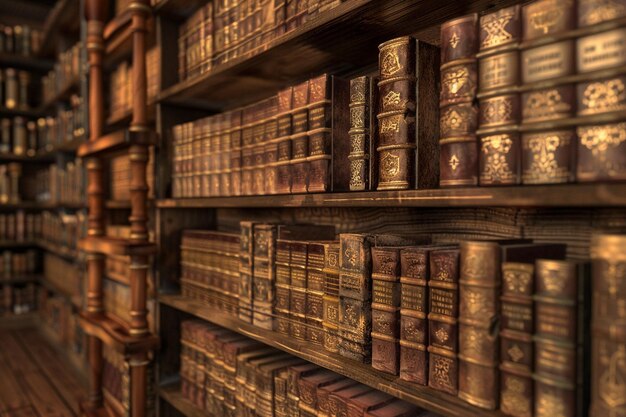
(17, 299)
(280, 145)
(61, 185)
(19, 40)
(63, 275)
(15, 264)
(120, 176)
(550, 107)
(18, 136)
(115, 380)
(15, 89)
(50, 132)
(66, 72)
(11, 183)
(225, 373)
(20, 226)
(63, 230)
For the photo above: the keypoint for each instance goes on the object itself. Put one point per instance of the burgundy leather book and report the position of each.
(300, 138)
(282, 170)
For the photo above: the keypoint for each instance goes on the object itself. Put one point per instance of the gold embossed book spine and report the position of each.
(282, 286)
(315, 293)
(561, 338)
(396, 116)
(331, 297)
(235, 153)
(264, 275)
(300, 138)
(246, 270)
(608, 254)
(297, 289)
(458, 147)
(283, 157)
(601, 58)
(320, 134)
(499, 109)
(359, 156)
(548, 100)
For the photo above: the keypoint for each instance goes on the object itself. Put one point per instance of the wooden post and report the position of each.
(138, 383)
(138, 290)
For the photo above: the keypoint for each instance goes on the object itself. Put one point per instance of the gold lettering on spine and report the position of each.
(390, 64)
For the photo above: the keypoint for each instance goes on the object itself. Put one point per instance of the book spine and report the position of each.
(499, 110)
(608, 323)
(359, 133)
(396, 117)
(442, 320)
(548, 142)
(319, 158)
(315, 293)
(386, 309)
(561, 357)
(355, 312)
(331, 297)
(478, 312)
(270, 154)
(246, 271)
(297, 290)
(283, 283)
(516, 343)
(225, 171)
(235, 153)
(300, 138)
(458, 157)
(247, 140)
(283, 167)
(264, 275)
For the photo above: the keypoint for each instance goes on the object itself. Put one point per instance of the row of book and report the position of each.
(19, 39)
(441, 315)
(62, 184)
(63, 230)
(20, 226)
(117, 302)
(120, 176)
(221, 31)
(281, 145)
(66, 72)
(548, 80)
(17, 298)
(10, 184)
(15, 89)
(228, 374)
(65, 277)
(14, 264)
(121, 84)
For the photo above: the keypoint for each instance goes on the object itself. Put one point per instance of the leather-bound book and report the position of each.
(395, 409)
(247, 148)
(258, 151)
(11, 89)
(283, 167)
(297, 290)
(283, 283)
(547, 56)
(235, 153)
(224, 156)
(608, 254)
(360, 134)
(499, 110)
(263, 275)
(359, 405)
(396, 117)
(300, 138)
(270, 147)
(443, 297)
(323, 395)
(315, 293)
(280, 393)
(241, 375)
(339, 400)
(331, 297)
(253, 369)
(223, 125)
(320, 134)
(264, 384)
(458, 157)
(561, 338)
(246, 270)
(386, 309)
(308, 387)
(296, 373)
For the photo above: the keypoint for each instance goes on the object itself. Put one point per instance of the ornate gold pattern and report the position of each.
(515, 353)
(476, 303)
(392, 98)
(441, 373)
(456, 79)
(351, 255)
(544, 167)
(554, 280)
(454, 162)
(357, 119)
(452, 120)
(550, 405)
(540, 104)
(356, 143)
(454, 40)
(495, 26)
(356, 178)
(442, 335)
(358, 91)
(612, 383)
(390, 124)
(601, 140)
(497, 110)
(547, 16)
(514, 398)
(496, 167)
(390, 64)
(470, 341)
(604, 10)
(605, 96)
(516, 281)
(411, 330)
(389, 166)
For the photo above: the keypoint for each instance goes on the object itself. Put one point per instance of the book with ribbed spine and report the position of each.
(330, 321)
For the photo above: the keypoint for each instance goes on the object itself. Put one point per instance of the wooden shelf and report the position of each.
(25, 62)
(62, 96)
(29, 113)
(58, 250)
(74, 299)
(115, 246)
(178, 9)
(37, 158)
(63, 18)
(568, 195)
(21, 279)
(19, 321)
(171, 394)
(10, 244)
(422, 396)
(115, 335)
(341, 41)
(114, 141)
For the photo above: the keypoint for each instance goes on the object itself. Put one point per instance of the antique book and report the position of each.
(280, 393)
(263, 275)
(331, 297)
(499, 110)
(368, 401)
(235, 153)
(443, 297)
(458, 148)
(283, 142)
(315, 293)
(339, 400)
(246, 270)
(282, 287)
(320, 134)
(299, 138)
(608, 324)
(360, 134)
(296, 373)
(386, 309)
(264, 406)
(297, 289)
(395, 409)
(308, 386)
(562, 343)
(323, 395)
(249, 119)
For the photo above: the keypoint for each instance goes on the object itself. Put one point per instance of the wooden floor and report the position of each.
(34, 379)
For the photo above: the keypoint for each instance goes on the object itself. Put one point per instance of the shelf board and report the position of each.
(37, 158)
(58, 250)
(10, 244)
(28, 113)
(25, 205)
(171, 394)
(74, 299)
(30, 63)
(62, 96)
(338, 41)
(114, 141)
(63, 18)
(19, 321)
(178, 9)
(422, 396)
(566, 195)
(21, 279)
(115, 246)
(114, 334)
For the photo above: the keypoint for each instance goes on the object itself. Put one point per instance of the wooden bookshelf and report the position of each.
(114, 142)
(116, 246)
(171, 394)
(63, 18)
(61, 96)
(31, 63)
(114, 334)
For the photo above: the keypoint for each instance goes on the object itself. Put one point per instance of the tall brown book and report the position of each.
(282, 287)
(315, 293)
(299, 138)
(458, 149)
(608, 254)
(297, 289)
(296, 373)
(339, 401)
(320, 133)
(235, 153)
(331, 297)
(283, 141)
(561, 338)
(324, 392)
(360, 134)
(246, 270)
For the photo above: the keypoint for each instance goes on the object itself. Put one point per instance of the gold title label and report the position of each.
(604, 50)
(604, 96)
(499, 70)
(597, 11)
(546, 62)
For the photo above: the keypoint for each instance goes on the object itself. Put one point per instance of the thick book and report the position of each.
(340, 400)
(296, 373)
(282, 168)
(246, 270)
(323, 395)
(282, 287)
(360, 134)
(308, 387)
(499, 110)
(395, 409)
(315, 293)
(458, 148)
(608, 324)
(330, 320)
(561, 337)
(299, 138)
(368, 401)
(297, 289)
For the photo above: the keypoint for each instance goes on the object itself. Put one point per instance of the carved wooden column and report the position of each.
(138, 292)
(138, 364)
(95, 13)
